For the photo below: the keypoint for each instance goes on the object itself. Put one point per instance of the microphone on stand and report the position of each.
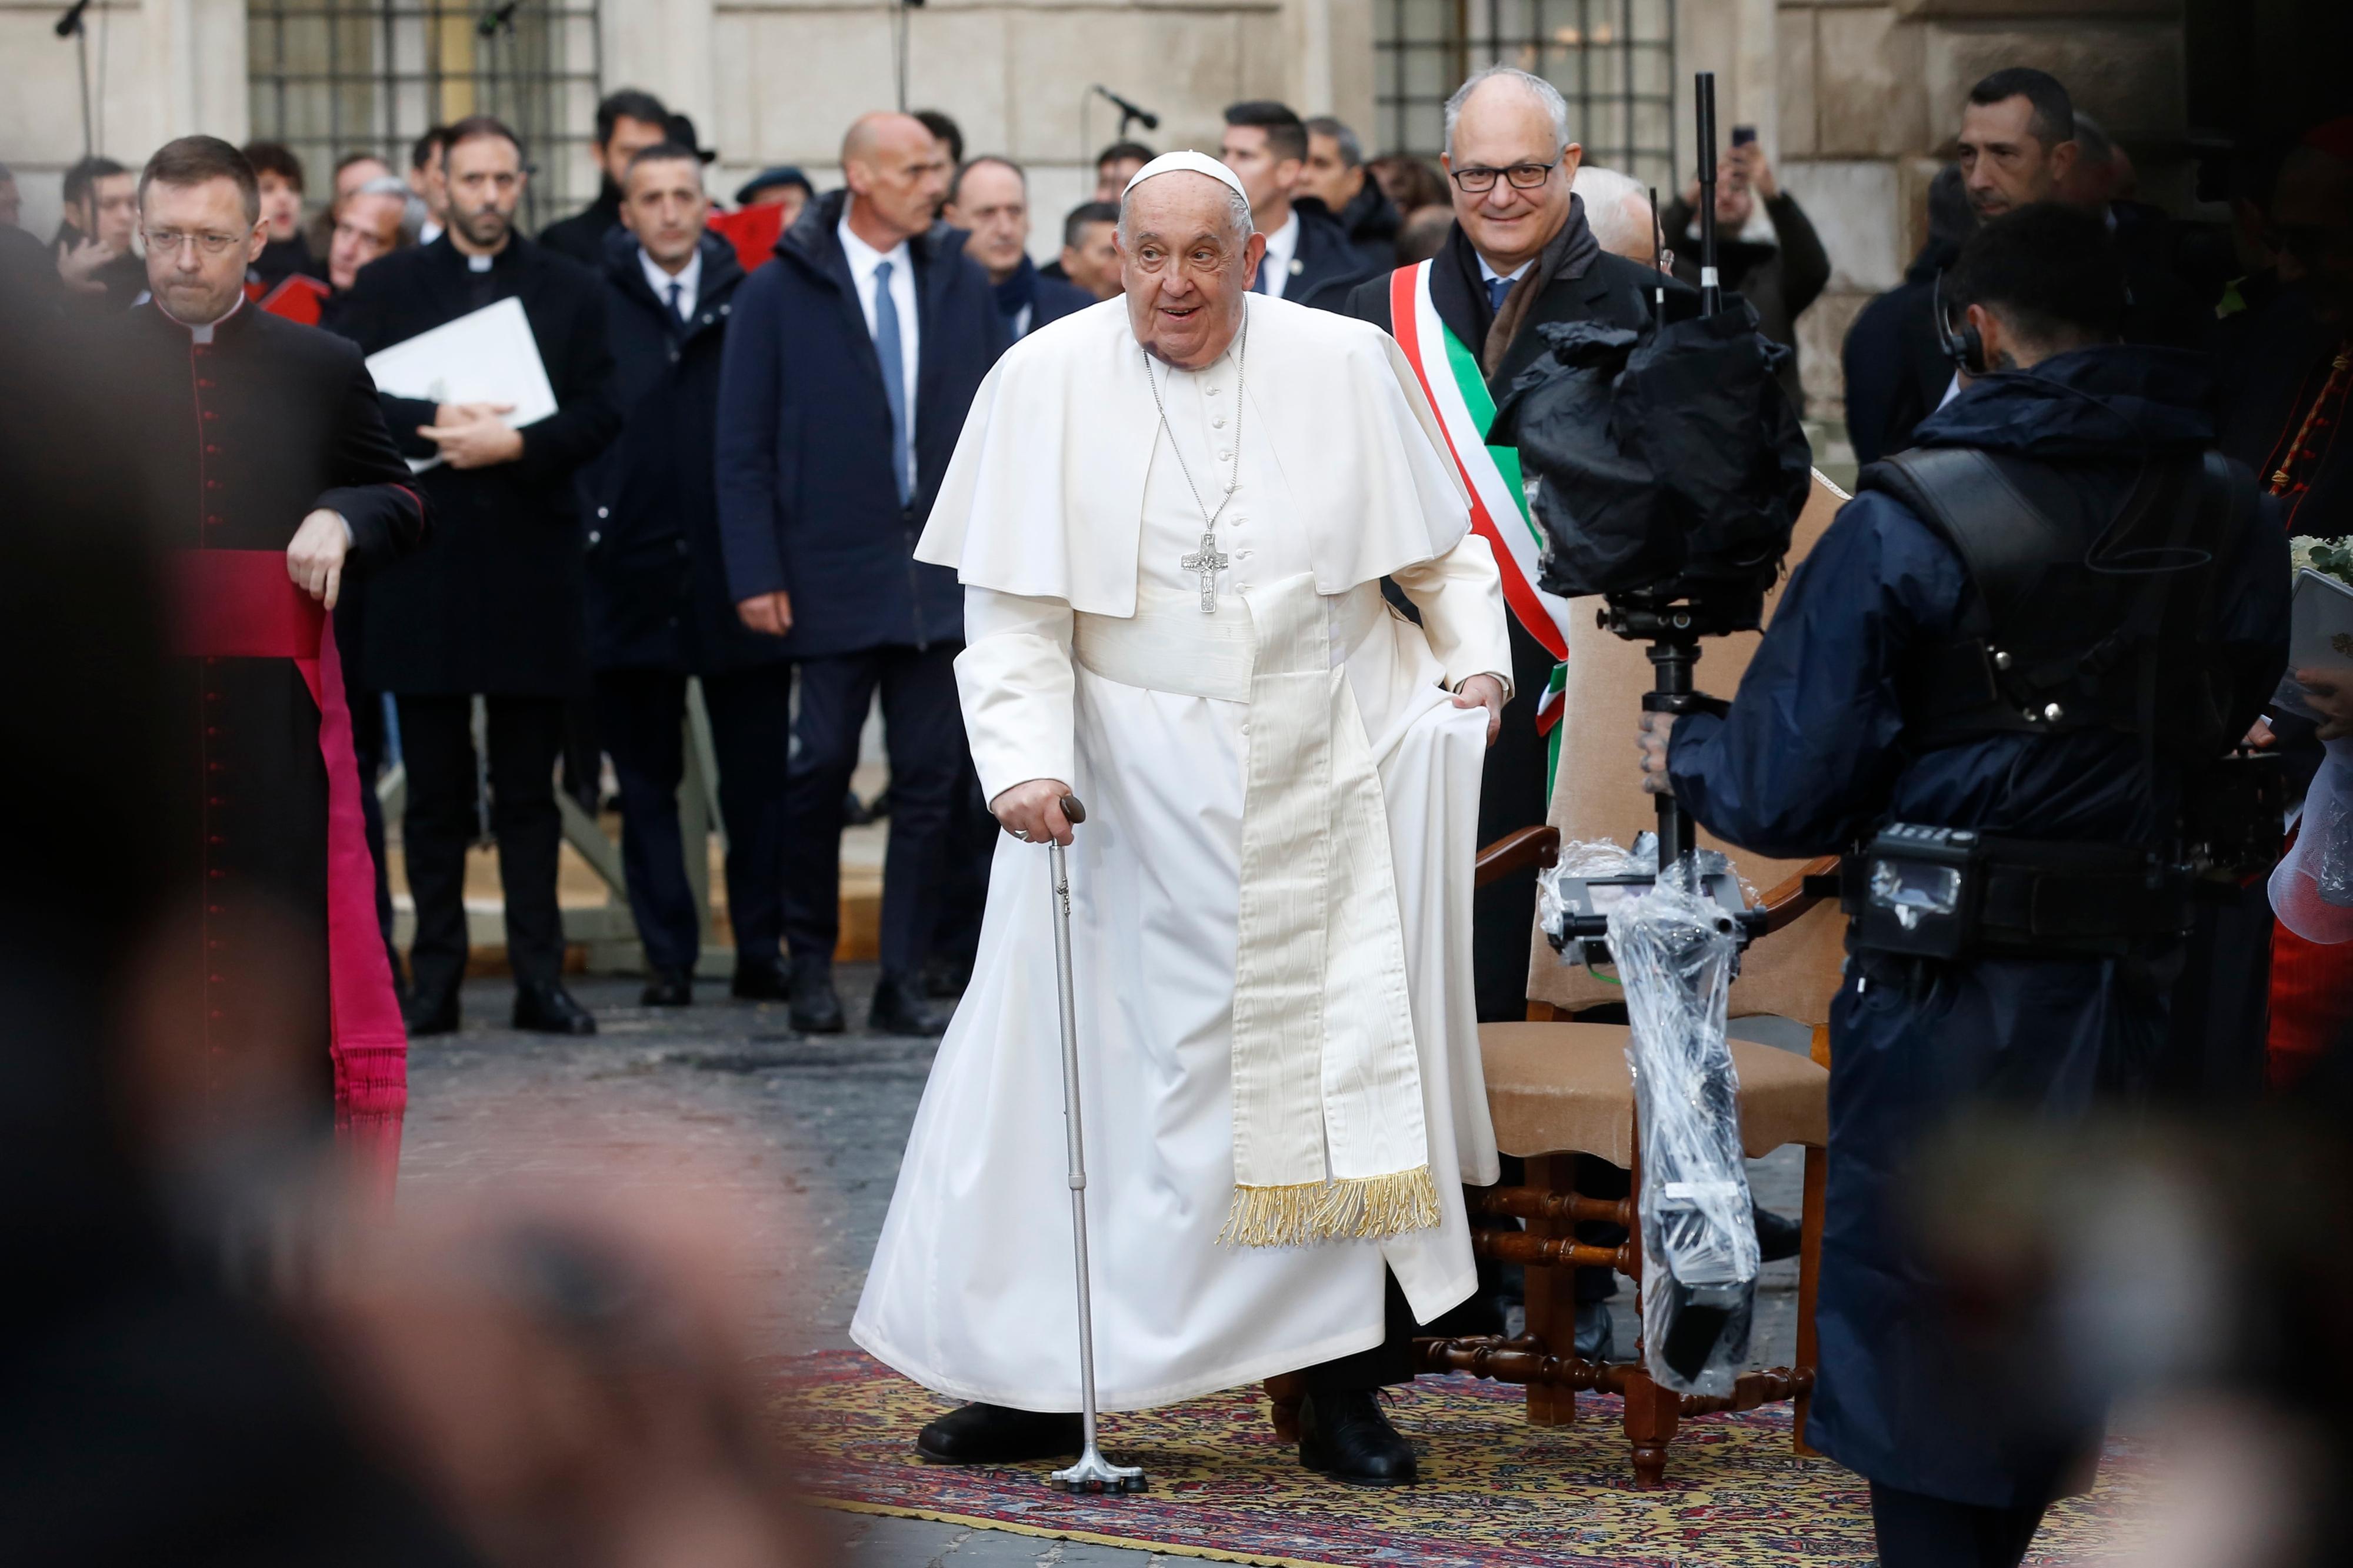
(70, 23)
(493, 20)
(1127, 110)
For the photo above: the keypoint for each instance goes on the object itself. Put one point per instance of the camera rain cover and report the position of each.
(1664, 457)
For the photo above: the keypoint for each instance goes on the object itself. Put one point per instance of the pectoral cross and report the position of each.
(1206, 563)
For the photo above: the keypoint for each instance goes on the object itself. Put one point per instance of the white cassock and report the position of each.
(1090, 660)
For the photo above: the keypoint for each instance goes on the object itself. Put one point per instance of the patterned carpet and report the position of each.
(1494, 1490)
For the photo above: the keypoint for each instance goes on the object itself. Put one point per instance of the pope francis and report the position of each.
(1171, 515)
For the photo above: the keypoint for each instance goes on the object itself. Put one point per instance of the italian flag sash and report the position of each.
(1449, 376)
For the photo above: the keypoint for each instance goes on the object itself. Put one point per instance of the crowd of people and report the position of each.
(797, 454)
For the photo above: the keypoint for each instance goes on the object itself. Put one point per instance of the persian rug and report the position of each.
(1493, 1489)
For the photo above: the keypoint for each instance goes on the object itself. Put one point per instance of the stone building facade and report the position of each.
(1856, 101)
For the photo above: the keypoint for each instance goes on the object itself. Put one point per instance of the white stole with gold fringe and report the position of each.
(1329, 1142)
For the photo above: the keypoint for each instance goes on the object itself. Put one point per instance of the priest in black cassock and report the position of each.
(493, 603)
(265, 469)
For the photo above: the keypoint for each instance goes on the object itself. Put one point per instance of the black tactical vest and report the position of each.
(2087, 613)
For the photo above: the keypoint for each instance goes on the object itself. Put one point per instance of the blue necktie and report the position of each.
(894, 376)
(677, 291)
(1496, 289)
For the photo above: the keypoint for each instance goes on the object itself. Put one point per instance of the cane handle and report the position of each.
(1072, 809)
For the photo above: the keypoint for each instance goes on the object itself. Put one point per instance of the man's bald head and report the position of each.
(898, 176)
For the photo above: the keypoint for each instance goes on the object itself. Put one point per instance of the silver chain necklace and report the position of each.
(1208, 561)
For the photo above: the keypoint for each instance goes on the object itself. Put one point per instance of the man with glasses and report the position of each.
(493, 603)
(263, 455)
(1521, 254)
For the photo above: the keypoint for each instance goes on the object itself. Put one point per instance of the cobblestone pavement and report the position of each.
(797, 1136)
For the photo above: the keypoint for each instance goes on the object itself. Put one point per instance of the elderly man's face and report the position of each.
(1505, 126)
(352, 176)
(2004, 165)
(365, 227)
(199, 239)
(1111, 177)
(1185, 271)
(1093, 263)
(992, 201)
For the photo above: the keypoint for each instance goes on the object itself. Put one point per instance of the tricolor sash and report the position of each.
(1450, 379)
(240, 603)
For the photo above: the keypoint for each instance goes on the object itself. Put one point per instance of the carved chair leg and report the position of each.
(1284, 1390)
(1809, 1279)
(1552, 1294)
(1651, 1413)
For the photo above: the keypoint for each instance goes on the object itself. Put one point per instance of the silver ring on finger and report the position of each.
(1022, 833)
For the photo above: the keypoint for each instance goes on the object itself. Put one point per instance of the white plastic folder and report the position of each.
(2320, 634)
(486, 356)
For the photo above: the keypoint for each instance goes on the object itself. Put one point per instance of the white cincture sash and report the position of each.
(1328, 1136)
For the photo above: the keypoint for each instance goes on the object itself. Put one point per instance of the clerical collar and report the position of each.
(479, 263)
(203, 334)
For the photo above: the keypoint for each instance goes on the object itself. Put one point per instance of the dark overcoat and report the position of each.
(807, 501)
(657, 581)
(491, 603)
(1327, 263)
(1815, 755)
(1512, 791)
(233, 444)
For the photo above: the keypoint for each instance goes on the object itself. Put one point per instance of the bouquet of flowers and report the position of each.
(2330, 557)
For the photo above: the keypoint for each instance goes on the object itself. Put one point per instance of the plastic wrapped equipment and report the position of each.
(2312, 890)
(1676, 949)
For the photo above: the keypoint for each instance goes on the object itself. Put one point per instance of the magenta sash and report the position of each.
(240, 603)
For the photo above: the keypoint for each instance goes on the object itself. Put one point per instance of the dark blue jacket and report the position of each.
(1048, 298)
(1813, 756)
(657, 579)
(807, 501)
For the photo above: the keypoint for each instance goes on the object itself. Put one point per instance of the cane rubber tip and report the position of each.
(1072, 809)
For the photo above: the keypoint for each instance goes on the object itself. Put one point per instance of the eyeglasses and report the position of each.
(1478, 182)
(171, 240)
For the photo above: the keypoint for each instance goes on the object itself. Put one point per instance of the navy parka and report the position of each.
(806, 499)
(1813, 756)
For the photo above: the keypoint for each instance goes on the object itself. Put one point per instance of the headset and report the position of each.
(1965, 347)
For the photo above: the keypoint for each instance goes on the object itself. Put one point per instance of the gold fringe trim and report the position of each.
(1363, 1208)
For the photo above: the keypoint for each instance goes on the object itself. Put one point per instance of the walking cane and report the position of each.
(1093, 1473)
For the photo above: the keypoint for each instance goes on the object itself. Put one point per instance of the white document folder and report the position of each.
(2320, 634)
(486, 356)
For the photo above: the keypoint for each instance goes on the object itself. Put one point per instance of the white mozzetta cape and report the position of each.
(1045, 495)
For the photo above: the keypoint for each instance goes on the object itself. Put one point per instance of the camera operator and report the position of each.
(2034, 627)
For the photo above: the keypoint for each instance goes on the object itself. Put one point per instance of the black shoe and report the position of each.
(549, 1009)
(1345, 1436)
(667, 988)
(762, 979)
(1778, 1236)
(899, 1007)
(817, 1006)
(945, 979)
(431, 1012)
(994, 1435)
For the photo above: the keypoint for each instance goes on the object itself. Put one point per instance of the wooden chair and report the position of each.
(1557, 1088)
